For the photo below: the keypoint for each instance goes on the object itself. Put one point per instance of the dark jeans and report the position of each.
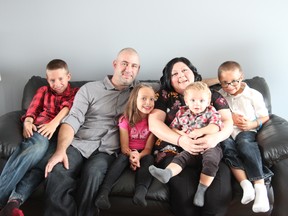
(210, 160)
(244, 153)
(184, 185)
(67, 198)
(142, 178)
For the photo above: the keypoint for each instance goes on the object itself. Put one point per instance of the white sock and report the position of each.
(261, 203)
(248, 191)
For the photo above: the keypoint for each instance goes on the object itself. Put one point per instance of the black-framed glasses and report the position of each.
(232, 83)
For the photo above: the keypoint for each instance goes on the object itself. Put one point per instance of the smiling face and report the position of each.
(126, 68)
(181, 77)
(58, 79)
(231, 80)
(145, 100)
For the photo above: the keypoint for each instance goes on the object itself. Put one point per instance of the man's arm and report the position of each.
(65, 138)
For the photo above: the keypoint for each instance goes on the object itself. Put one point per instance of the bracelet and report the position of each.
(178, 140)
(259, 124)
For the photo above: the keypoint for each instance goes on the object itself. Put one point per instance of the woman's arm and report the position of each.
(160, 129)
(211, 81)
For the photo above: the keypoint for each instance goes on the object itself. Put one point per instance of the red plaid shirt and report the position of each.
(46, 104)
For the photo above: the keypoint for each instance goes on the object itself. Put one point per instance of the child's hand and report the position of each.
(195, 134)
(241, 122)
(28, 128)
(134, 160)
(47, 130)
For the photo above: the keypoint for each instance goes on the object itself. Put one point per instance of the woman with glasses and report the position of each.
(177, 75)
(241, 151)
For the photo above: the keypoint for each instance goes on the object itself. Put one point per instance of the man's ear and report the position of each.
(114, 63)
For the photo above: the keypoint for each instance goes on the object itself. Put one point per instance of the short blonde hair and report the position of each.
(197, 86)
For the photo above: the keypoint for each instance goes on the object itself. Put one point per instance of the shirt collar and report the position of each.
(108, 84)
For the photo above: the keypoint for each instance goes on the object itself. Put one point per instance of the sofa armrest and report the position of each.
(11, 133)
(273, 140)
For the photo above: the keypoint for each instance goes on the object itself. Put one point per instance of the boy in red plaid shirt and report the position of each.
(49, 106)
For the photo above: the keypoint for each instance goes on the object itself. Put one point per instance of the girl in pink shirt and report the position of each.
(136, 145)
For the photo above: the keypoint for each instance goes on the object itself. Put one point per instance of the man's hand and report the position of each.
(47, 130)
(54, 160)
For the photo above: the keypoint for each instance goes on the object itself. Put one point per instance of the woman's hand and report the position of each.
(189, 145)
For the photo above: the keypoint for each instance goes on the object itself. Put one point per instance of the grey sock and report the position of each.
(102, 200)
(163, 175)
(199, 196)
(139, 196)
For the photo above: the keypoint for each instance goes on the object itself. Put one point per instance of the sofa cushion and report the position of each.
(275, 129)
(11, 133)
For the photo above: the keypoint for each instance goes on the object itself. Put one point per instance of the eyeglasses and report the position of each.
(232, 83)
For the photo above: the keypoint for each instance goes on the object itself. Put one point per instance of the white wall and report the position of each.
(88, 34)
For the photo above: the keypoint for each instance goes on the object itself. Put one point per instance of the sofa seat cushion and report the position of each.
(126, 183)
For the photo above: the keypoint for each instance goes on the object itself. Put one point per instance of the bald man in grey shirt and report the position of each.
(88, 140)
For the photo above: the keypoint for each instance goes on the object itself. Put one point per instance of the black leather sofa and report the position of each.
(272, 138)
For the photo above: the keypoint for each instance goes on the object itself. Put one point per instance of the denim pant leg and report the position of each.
(61, 186)
(143, 176)
(250, 154)
(92, 175)
(230, 154)
(33, 177)
(27, 155)
(114, 172)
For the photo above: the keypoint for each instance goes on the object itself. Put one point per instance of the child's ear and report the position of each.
(69, 76)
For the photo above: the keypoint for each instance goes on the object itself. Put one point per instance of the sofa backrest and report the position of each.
(36, 82)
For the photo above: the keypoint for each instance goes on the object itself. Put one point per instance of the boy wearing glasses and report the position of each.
(241, 151)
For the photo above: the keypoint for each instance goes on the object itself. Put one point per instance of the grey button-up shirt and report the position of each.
(94, 116)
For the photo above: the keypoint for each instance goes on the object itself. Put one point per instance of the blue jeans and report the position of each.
(33, 177)
(244, 153)
(26, 156)
(71, 192)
